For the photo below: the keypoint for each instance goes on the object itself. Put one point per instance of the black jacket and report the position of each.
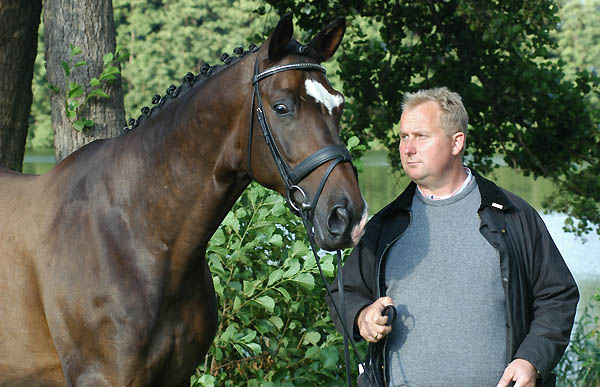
(540, 293)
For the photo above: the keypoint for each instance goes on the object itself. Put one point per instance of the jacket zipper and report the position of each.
(379, 289)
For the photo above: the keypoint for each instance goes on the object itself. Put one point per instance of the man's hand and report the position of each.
(521, 372)
(371, 323)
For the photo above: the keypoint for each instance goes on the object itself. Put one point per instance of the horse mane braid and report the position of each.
(188, 82)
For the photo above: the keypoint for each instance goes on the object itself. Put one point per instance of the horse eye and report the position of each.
(280, 109)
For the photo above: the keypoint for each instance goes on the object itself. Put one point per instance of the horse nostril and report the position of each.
(337, 222)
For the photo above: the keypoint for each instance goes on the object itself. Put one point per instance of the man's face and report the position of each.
(426, 152)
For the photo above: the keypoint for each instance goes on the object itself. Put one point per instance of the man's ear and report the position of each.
(328, 40)
(280, 37)
(458, 143)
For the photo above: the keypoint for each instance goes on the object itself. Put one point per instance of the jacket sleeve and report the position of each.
(554, 297)
(360, 279)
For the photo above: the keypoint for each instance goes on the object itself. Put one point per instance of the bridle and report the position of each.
(293, 176)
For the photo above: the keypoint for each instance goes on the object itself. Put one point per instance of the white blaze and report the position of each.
(320, 94)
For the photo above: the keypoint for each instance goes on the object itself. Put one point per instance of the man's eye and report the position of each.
(280, 109)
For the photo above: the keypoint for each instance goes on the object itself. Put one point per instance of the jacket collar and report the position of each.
(491, 196)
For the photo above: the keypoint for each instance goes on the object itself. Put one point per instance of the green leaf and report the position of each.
(94, 82)
(293, 270)
(237, 303)
(267, 302)
(88, 123)
(275, 276)
(75, 51)
(328, 268)
(75, 90)
(241, 213)
(279, 209)
(239, 349)
(250, 287)
(98, 93)
(107, 77)
(80, 63)
(253, 195)
(110, 70)
(218, 237)
(312, 351)
(299, 248)
(230, 331)
(108, 58)
(232, 222)
(78, 125)
(276, 240)
(218, 286)
(306, 280)
(54, 88)
(330, 357)
(277, 321)
(248, 338)
(255, 348)
(312, 338)
(218, 354)
(352, 142)
(284, 293)
(66, 68)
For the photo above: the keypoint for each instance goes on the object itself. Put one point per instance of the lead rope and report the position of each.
(341, 313)
(343, 310)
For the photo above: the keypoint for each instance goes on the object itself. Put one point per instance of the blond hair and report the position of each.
(454, 117)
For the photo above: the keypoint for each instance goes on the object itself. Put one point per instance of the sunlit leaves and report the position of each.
(274, 324)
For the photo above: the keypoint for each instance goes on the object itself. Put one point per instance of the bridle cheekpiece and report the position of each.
(292, 176)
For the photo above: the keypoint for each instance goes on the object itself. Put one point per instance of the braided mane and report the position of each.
(293, 47)
(189, 80)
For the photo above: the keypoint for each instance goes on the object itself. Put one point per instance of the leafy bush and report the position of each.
(274, 327)
(580, 365)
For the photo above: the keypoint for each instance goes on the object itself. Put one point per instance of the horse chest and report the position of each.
(180, 345)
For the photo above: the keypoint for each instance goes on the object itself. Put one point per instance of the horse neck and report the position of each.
(192, 170)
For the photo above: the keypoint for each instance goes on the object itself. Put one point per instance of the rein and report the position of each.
(292, 177)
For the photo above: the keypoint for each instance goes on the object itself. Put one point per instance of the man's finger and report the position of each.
(379, 319)
(506, 378)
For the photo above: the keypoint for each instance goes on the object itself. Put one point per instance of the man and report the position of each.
(483, 295)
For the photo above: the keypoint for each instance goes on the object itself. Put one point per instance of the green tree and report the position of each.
(19, 23)
(167, 39)
(578, 35)
(40, 133)
(497, 55)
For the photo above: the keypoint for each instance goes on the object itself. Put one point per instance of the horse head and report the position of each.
(299, 151)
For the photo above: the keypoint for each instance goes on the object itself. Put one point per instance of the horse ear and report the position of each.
(281, 37)
(328, 40)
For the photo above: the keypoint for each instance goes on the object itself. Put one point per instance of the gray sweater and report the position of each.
(450, 329)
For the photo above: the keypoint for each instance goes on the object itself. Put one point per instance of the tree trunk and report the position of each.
(19, 21)
(89, 25)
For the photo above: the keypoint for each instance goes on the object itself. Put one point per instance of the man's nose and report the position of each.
(409, 147)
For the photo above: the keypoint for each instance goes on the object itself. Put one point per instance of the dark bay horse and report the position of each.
(103, 276)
